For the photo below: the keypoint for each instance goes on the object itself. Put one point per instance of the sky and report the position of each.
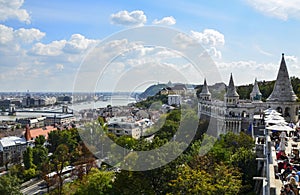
(122, 45)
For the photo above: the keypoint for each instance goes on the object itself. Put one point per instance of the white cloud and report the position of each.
(78, 43)
(12, 42)
(277, 8)
(209, 37)
(6, 34)
(184, 41)
(12, 9)
(245, 71)
(291, 59)
(29, 35)
(125, 18)
(52, 49)
(165, 21)
(211, 40)
(60, 67)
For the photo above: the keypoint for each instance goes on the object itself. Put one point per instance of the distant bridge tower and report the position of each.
(12, 110)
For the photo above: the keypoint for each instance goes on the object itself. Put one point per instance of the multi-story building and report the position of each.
(64, 99)
(4, 104)
(59, 119)
(174, 100)
(11, 149)
(124, 126)
(235, 115)
(32, 122)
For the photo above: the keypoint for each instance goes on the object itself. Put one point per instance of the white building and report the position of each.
(124, 126)
(235, 115)
(174, 100)
(59, 119)
(11, 149)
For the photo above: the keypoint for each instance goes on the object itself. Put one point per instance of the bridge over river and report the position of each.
(60, 110)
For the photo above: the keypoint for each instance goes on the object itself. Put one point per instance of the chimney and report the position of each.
(27, 133)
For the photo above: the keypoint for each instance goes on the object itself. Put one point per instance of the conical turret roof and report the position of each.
(231, 90)
(283, 90)
(255, 91)
(205, 90)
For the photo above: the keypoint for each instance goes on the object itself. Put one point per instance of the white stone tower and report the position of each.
(205, 95)
(231, 97)
(255, 95)
(283, 90)
(283, 98)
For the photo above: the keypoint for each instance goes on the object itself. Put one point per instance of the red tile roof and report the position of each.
(42, 131)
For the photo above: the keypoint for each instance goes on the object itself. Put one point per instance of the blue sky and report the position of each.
(43, 43)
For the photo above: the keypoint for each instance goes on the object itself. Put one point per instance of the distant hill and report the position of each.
(152, 90)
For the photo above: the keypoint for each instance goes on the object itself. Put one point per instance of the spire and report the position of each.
(27, 133)
(205, 88)
(231, 90)
(205, 94)
(255, 94)
(283, 90)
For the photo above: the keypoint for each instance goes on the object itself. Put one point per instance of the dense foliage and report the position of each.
(206, 166)
(266, 88)
(153, 101)
(10, 185)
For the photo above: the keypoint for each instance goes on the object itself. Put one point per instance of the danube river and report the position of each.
(117, 101)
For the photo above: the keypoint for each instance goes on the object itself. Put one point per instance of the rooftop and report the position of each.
(42, 131)
(12, 141)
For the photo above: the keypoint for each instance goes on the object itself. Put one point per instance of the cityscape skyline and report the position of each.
(44, 44)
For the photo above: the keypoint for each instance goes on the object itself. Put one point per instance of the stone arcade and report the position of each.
(235, 115)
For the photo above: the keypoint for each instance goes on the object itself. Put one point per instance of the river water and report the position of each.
(118, 101)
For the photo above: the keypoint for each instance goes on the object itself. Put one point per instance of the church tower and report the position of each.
(205, 95)
(231, 96)
(255, 95)
(283, 90)
(283, 98)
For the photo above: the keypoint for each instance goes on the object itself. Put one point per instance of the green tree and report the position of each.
(40, 155)
(67, 137)
(191, 181)
(45, 170)
(9, 185)
(60, 160)
(101, 120)
(29, 174)
(222, 180)
(28, 158)
(40, 140)
(132, 182)
(96, 182)
(244, 159)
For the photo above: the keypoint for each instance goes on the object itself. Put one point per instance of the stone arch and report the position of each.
(279, 109)
(287, 112)
(244, 114)
(231, 113)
